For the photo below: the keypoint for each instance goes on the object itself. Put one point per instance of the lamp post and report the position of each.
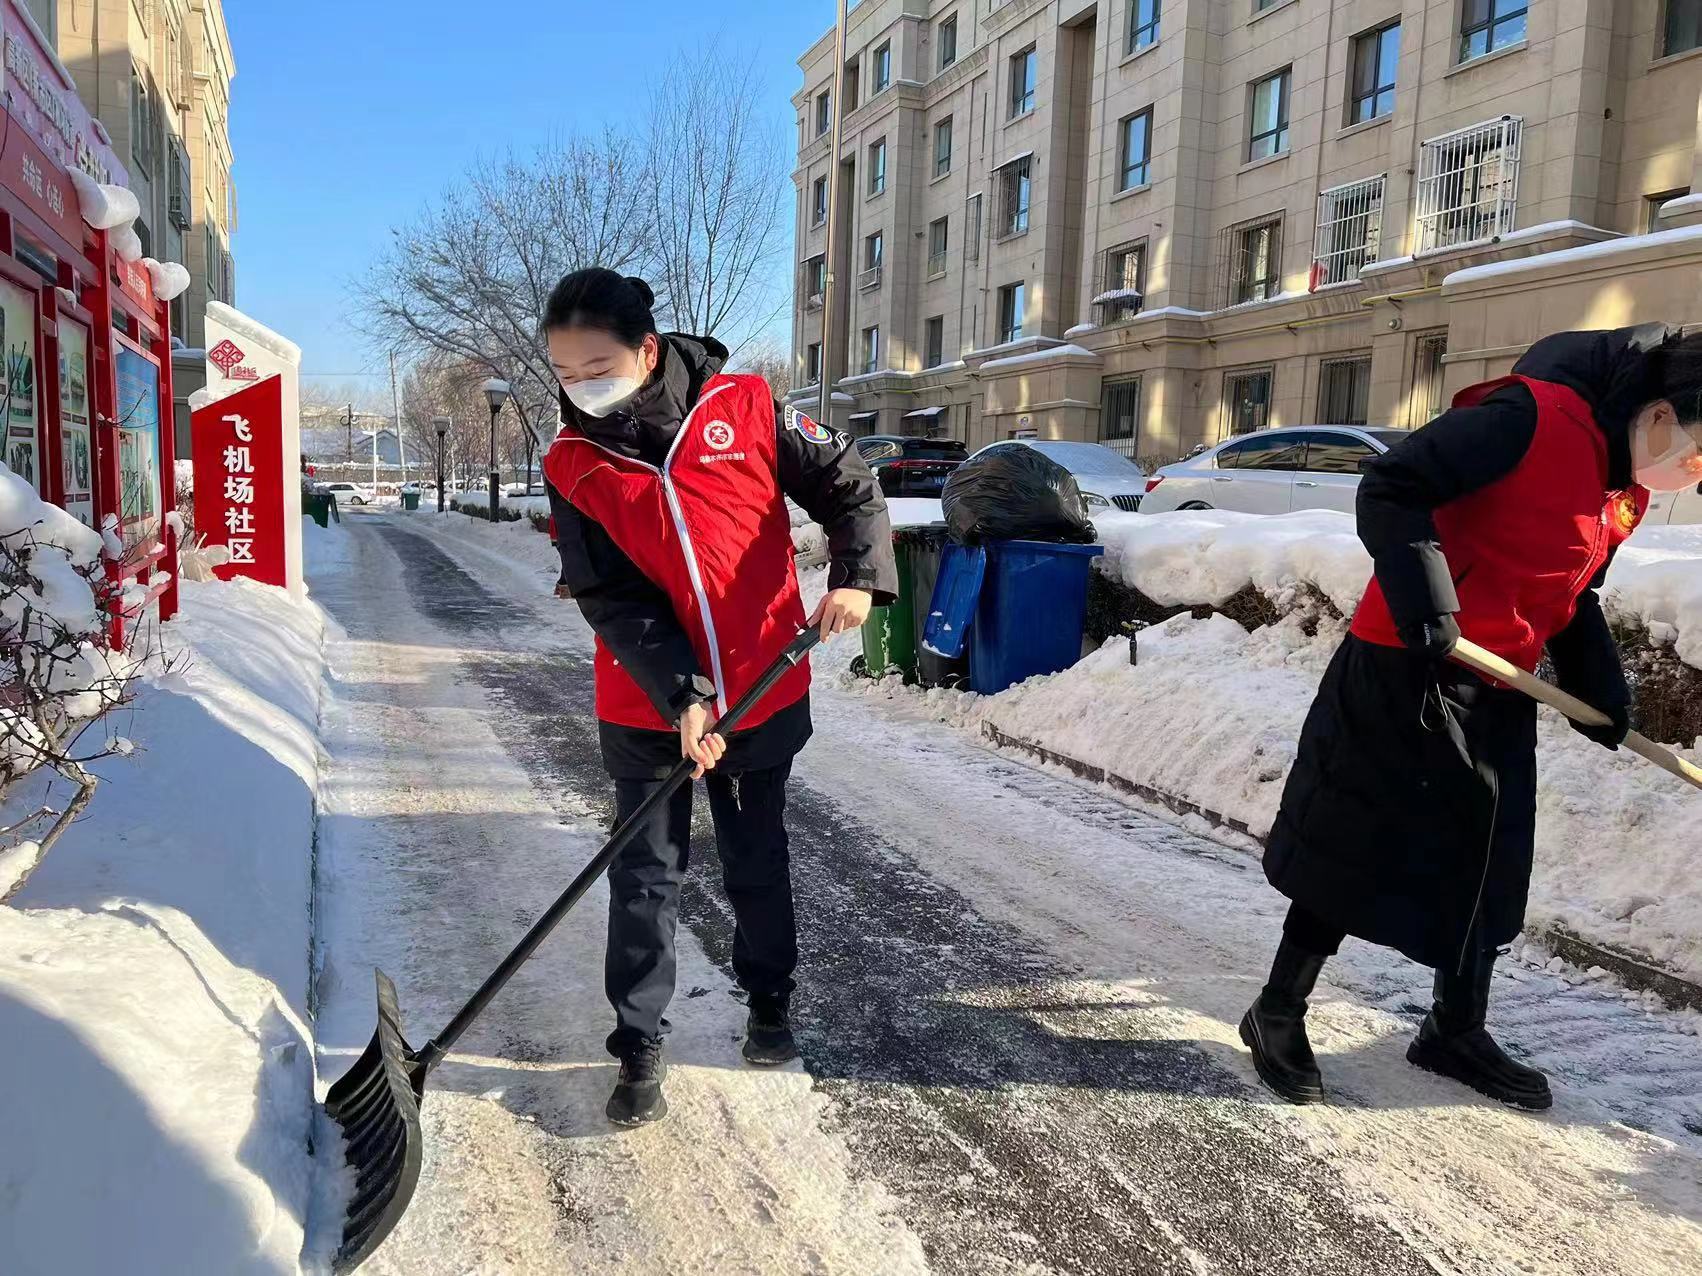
(442, 423)
(835, 198)
(496, 394)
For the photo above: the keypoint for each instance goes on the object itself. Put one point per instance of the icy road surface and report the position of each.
(1017, 1006)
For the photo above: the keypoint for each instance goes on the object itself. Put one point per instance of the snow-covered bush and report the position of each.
(57, 678)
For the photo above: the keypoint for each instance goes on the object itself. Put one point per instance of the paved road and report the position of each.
(1022, 1040)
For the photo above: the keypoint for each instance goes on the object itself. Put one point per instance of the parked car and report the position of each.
(911, 467)
(1675, 508)
(1301, 467)
(351, 493)
(1107, 479)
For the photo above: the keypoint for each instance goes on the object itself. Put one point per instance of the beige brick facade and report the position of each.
(157, 74)
(1553, 128)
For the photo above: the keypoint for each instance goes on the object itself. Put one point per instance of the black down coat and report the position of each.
(1409, 816)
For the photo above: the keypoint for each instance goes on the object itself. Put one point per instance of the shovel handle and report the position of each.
(431, 1054)
(1489, 664)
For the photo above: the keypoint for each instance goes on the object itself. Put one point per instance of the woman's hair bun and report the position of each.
(643, 289)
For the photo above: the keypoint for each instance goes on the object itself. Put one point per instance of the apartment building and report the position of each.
(157, 74)
(1158, 223)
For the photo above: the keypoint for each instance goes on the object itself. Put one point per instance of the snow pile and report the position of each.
(1656, 578)
(254, 331)
(154, 972)
(104, 207)
(170, 279)
(1206, 556)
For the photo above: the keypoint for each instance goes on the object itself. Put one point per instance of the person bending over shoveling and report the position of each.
(668, 483)
(1409, 817)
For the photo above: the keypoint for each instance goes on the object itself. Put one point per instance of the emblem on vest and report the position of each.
(718, 435)
(1625, 512)
(813, 431)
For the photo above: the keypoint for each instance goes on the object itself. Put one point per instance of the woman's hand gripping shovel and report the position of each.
(376, 1103)
(1491, 665)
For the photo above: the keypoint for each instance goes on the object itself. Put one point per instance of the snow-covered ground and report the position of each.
(156, 1067)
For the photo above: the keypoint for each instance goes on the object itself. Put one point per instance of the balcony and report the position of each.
(1350, 231)
(936, 265)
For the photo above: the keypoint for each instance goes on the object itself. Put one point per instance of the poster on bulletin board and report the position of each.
(76, 448)
(17, 348)
(138, 444)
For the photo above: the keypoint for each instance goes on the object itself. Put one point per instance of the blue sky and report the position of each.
(347, 117)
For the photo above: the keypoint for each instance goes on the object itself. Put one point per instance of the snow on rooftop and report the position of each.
(1684, 237)
(253, 330)
(1039, 356)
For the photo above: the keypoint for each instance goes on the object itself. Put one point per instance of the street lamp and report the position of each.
(496, 394)
(442, 423)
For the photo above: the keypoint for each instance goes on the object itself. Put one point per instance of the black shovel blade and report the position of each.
(377, 1105)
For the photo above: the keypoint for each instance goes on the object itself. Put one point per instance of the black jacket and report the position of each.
(1409, 816)
(635, 618)
(1468, 448)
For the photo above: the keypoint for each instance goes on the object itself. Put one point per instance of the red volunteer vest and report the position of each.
(1522, 549)
(710, 528)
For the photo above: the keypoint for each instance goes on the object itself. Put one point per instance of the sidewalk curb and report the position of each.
(1636, 971)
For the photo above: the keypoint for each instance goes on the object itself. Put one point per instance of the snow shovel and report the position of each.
(1491, 665)
(376, 1102)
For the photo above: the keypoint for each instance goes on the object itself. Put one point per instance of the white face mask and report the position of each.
(1673, 470)
(601, 397)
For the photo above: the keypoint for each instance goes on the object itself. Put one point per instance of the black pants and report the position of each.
(1311, 933)
(644, 896)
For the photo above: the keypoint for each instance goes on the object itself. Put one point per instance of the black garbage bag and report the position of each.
(1015, 493)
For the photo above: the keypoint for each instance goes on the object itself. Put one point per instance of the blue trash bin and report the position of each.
(1032, 612)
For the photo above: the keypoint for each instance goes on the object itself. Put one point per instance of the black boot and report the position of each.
(768, 1032)
(1452, 1040)
(1274, 1028)
(637, 1099)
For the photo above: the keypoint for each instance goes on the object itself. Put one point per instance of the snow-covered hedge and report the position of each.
(1205, 557)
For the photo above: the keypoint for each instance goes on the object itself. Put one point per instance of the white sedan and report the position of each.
(1675, 508)
(1305, 467)
(1106, 478)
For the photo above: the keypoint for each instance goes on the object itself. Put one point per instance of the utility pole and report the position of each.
(349, 425)
(830, 293)
(396, 408)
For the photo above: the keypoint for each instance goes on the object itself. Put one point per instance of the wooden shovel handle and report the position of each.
(1491, 665)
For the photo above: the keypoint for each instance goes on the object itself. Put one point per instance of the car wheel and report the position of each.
(1194, 505)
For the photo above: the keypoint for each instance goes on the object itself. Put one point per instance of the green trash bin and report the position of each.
(317, 506)
(410, 500)
(889, 636)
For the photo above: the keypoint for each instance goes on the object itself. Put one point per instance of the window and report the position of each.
(1010, 312)
(874, 254)
(1652, 208)
(1024, 68)
(1143, 24)
(812, 364)
(942, 147)
(883, 68)
(877, 167)
(1119, 415)
(815, 279)
(144, 122)
(1254, 272)
(1015, 188)
(1331, 453)
(934, 353)
(939, 235)
(1350, 230)
(1371, 92)
(1282, 452)
(1247, 401)
(1426, 401)
(1344, 391)
(972, 228)
(1123, 283)
(871, 348)
(1488, 25)
(824, 112)
(177, 186)
(853, 76)
(948, 41)
(1136, 150)
(818, 206)
(1682, 29)
(1468, 184)
(1268, 132)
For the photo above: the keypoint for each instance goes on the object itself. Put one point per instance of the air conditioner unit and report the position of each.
(178, 210)
(870, 278)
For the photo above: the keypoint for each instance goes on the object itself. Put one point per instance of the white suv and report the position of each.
(1303, 467)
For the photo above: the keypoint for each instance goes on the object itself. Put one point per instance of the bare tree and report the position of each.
(469, 278)
(720, 177)
(768, 359)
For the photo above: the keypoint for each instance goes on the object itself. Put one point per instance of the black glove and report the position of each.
(1433, 638)
(1612, 735)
